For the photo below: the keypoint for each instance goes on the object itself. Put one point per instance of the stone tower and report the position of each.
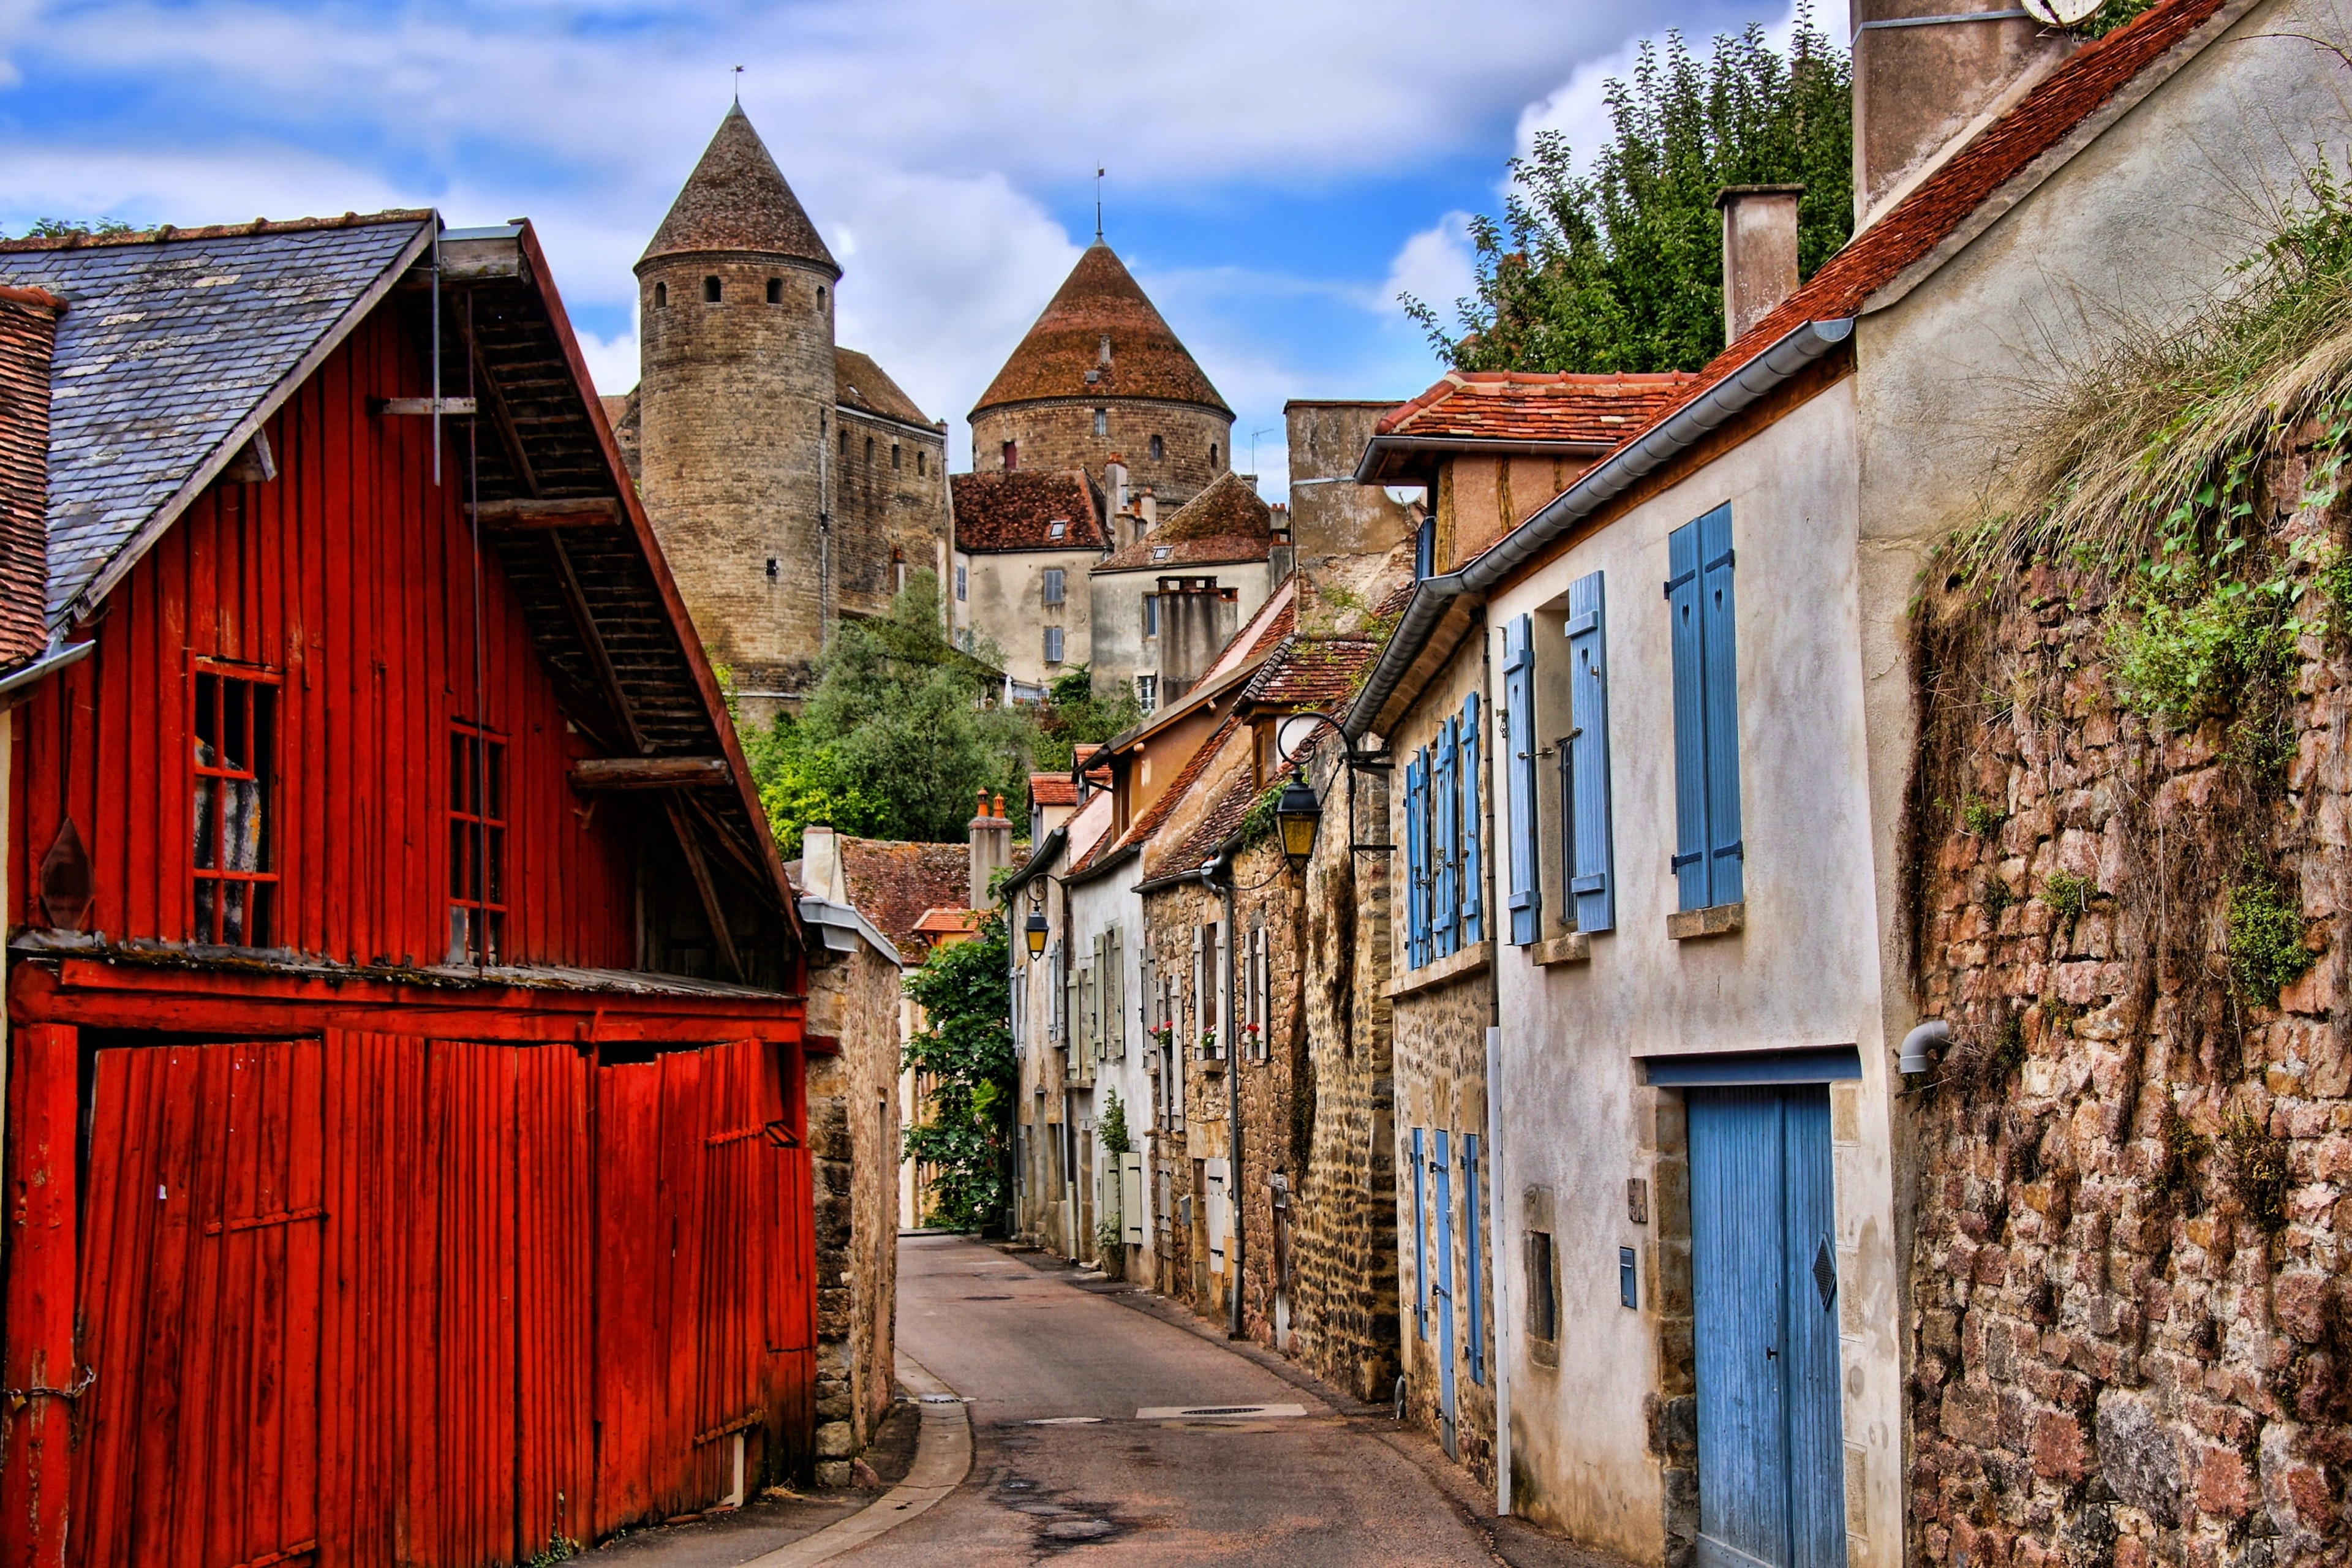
(1101, 376)
(735, 412)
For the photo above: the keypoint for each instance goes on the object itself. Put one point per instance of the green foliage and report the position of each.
(2183, 1147)
(1072, 715)
(62, 227)
(2264, 1175)
(1257, 825)
(1620, 268)
(2005, 1053)
(560, 1548)
(896, 740)
(966, 1046)
(2266, 941)
(1981, 817)
(2067, 894)
(1996, 898)
(1111, 1126)
(2112, 15)
(1108, 1240)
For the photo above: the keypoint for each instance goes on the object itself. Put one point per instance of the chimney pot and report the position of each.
(1759, 253)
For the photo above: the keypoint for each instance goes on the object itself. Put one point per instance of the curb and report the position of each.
(943, 1459)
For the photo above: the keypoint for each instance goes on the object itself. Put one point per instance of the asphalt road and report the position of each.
(1027, 1346)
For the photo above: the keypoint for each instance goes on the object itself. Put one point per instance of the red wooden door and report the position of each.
(200, 1301)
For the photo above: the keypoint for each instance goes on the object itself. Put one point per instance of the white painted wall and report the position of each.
(1120, 651)
(1004, 604)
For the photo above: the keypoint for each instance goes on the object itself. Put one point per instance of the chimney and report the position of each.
(1926, 74)
(991, 847)
(29, 335)
(1197, 618)
(821, 864)
(1115, 481)
(1759, 252)
(1146, 507)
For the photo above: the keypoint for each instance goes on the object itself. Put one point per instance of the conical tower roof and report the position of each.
(736, 199)
(1100, 299)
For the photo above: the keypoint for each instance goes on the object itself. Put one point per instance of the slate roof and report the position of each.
(894, 884)
(1526, 405)
(1100, 298)
(1017, 510)
(860, 382)
(736, 200)
(1225, 522)
(175, 342)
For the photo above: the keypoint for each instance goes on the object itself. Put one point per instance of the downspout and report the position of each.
(1498, 1270)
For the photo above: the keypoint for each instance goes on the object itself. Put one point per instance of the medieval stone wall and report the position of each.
(888, 509)
(1344, 1309)
(1180, 1154)
(853, 1139)
(2129, 1330)
(1061, 435)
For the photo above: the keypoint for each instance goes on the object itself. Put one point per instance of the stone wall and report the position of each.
(2130, 1337)
(853, 1139)
(1061, 435)
(1180, 1266)
(1344, 1309)
(886, 514)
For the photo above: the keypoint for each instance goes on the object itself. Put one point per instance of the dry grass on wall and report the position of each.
(2131, 1334)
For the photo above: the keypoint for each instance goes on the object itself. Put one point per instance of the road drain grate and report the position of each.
(1186, 1412)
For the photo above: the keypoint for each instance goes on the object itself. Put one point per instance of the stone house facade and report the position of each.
(1024, 542)
(790, 480)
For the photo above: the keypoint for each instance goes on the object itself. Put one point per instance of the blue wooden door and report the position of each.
(1771, 1458)
(1441, 1175)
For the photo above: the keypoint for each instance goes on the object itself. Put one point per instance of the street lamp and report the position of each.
(1035, 931)
(1297, 816)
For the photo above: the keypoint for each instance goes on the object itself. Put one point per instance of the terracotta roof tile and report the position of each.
(1224, 818)
(1931, 214)
(1017, 510)
(942, 922)
(1225, 522)
(894, 884)
(1312, 672)
(736, 200)
(1053, 789)
(860, 382)
(1523, 406)
(1100, 299)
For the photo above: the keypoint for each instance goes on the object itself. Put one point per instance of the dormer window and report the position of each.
(1058, 529)
(1162, 552)
(710, 291)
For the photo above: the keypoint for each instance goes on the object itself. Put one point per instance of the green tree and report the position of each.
(1072, 716)
(1620, 268)
(964, 1132)
(897, 739)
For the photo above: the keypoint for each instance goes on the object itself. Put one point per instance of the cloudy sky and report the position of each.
(1279, 170)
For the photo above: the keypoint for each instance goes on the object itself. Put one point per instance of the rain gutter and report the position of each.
(1647, 455)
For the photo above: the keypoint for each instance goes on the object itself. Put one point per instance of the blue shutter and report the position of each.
(1470, 1242)
(1420, 1245)
(1474, 820)
(1416, 861)
(1446, 845)
(1690, 719)
(1592, 878)
(1724, 854)
(1518, 770)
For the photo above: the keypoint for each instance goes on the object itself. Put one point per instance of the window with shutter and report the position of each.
(1054, 581)
(1707, 850)
(1470, 1226)
(1114, 1001)
(1072, 1013)
(1200, 1000)
(1445, 859)
(1420, 1241)
(1523, 854)
(1470, 788)
(1591, 871)
(1416, 854)
(1053, 995)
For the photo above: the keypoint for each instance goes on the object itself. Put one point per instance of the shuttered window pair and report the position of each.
(1708, 859)
(1445, 892)
(1257, 989)
(1576, 796)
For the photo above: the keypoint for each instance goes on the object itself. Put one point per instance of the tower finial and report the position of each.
(1099, 180)
(739, 87)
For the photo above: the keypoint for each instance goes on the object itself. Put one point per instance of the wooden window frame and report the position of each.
(262, 883)
(484, 940)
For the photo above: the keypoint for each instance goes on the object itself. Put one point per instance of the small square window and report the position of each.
(1102, 421)
(1162, 552)
(710, 291)
(1147, 692)
(1159, 449)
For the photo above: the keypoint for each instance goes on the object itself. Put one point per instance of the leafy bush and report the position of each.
(2266, 941)
(1981, 817)
(1112, 1127)
(2067, 894)
(966, 994)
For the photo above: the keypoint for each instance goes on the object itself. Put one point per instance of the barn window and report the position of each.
(477, 845)
(710, 291)
(775, 290)
(661, 296)
(234, 862)
(1159, 449)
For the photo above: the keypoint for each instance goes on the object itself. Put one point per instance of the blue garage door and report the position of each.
(1771, 1463)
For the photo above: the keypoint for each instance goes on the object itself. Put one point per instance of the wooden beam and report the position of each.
(583, 621)
(451, 407)
(584, 512)
(651, 772)
(711, 910)
(501, 419)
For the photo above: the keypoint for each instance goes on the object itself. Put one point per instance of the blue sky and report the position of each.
(1278, 170)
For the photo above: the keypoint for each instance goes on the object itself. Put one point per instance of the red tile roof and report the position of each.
(1225, 522)
(893, 884)
(860, 382)
(1017, 510)
(1525, 405)
(736, 200)
(1053, 789)
(936, 923)
(1100, 299)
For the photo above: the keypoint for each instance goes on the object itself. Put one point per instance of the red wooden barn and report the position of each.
(404, 1102)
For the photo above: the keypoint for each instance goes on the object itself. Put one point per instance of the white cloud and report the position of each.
(1434, 266)
(612, 362)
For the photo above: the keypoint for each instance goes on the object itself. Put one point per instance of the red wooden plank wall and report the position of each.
(352, 575)
(380, 1300)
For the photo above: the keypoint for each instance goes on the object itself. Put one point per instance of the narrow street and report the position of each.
(1057, 1373)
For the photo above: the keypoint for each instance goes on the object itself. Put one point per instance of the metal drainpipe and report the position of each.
(1498, 1269)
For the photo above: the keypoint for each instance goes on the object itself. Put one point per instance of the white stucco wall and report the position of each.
(1120, 651)
(1097, 905)
(1802, 972)
(1004, 604)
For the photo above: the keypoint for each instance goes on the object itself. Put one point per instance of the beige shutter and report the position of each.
(1115, 997)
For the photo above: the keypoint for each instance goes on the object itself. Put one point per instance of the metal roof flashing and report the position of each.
(1645, 455)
